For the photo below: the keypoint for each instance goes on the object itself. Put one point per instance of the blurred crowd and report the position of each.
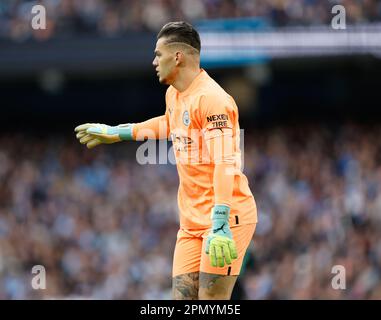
(319, 194)
(118, 17)
(104, 227)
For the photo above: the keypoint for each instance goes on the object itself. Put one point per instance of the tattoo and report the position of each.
(185, 286)
(216, 286)
(208, 280)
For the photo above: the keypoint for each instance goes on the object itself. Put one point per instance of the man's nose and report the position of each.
(154, 63)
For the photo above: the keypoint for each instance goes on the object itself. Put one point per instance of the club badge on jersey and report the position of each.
(186, 118)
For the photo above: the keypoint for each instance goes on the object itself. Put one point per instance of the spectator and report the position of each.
(115, 18)
(82, 216)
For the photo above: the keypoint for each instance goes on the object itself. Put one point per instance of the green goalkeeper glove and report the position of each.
(220, 245)
(93, 134)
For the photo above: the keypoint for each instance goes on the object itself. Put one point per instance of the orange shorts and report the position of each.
(190, 256)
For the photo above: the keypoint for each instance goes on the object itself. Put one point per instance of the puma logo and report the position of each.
(220, 228)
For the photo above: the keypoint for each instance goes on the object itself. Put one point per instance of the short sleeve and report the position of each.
(217, 115)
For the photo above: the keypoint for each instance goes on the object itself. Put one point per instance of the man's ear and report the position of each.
(179, 57)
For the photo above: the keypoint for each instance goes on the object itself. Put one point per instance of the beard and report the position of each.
(165, 80)
(162, 80)
(169, 78)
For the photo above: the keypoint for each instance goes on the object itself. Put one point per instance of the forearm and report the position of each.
(220, 244)
(222, 156)
(223, 183)
(93, 134)
(155, 128)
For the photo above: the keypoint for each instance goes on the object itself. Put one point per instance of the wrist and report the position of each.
(220, 220)
(220, 212)
(125, 131)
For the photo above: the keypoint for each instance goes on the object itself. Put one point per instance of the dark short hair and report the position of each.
(181, 31)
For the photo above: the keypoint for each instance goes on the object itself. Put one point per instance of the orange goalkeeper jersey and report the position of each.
(195, 117)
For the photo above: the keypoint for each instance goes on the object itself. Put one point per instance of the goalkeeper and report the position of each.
(217, 210)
